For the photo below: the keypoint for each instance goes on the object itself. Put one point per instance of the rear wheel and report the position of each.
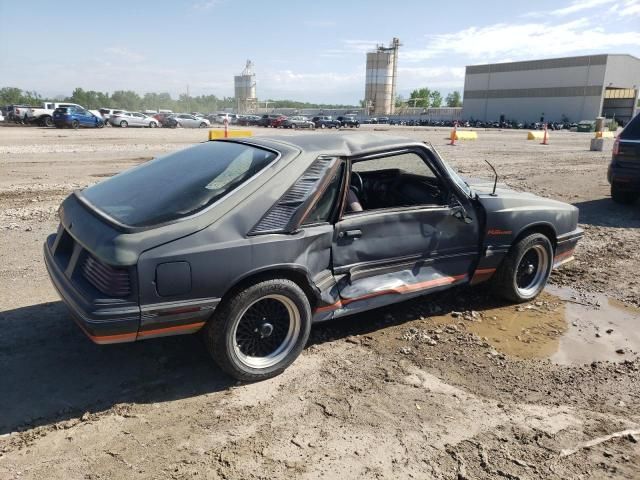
(624, 197)
(153, 125)
(259, 331)
(124, 124)
(525, 270)
(322, 125)
(47, 121)
(203, 125)
(75, 124)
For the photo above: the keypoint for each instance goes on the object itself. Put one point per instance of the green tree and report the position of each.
(420, 98)
(454, 99)
(10, 95)
(13, 95)
(127, 99)
(400, 101)
(436, 98)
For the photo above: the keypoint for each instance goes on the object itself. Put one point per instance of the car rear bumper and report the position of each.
(102, 321)
(113, 320)
(624, 178)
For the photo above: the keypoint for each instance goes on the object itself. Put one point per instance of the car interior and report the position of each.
(414, 183)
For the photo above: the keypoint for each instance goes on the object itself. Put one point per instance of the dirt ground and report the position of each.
(450, 386)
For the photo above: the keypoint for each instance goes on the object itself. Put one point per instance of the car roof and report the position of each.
(342, 144)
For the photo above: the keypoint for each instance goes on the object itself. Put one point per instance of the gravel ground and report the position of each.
(448, 386)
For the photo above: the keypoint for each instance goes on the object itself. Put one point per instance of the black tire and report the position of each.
(518, 279)
(153, 124)
(100, 125)
(294, 126)
(624, 197)
(357, 125)
(203, 125)
(75, 124)
(221, 330)
(47, 121)
(124, 124)
(322, 125)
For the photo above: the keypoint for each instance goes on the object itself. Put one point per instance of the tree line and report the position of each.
(425, 98)
(130, 100)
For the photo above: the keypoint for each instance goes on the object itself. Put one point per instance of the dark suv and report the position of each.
(624, 169)
(349, 121)
(324, 121)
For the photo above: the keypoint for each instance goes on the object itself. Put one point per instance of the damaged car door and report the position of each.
(405, 230)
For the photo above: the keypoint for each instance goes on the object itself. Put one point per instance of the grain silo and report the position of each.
(245, 90)
(380, 83)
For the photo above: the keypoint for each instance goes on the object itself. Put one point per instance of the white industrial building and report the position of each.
(380, 82)
(245, 90)
(558, 89)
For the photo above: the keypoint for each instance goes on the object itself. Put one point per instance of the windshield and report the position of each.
(457, 178)
(178, 184)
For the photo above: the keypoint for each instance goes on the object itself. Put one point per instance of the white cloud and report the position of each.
(351, 47)
(518, 41)
(574, 7)
(580, 5)
(206, 4)
(123, 53)
(628, 8)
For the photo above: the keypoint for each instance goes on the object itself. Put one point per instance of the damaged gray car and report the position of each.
(253, 240)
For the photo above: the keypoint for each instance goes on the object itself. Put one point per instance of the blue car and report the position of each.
(75, 117)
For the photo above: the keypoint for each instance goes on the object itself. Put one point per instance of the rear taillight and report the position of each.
(17, 111)
(616, 146)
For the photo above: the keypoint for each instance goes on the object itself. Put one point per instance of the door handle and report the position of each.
(350, 234)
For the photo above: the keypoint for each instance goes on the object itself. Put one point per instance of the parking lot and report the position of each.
(456, 385)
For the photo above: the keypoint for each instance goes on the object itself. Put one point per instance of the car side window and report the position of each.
(321, 211)
(394, 181)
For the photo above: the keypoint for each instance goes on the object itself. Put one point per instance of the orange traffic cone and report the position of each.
(226, 128)
(545, 138)
(453, 134)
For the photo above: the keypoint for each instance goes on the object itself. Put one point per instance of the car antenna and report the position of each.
(495, 177)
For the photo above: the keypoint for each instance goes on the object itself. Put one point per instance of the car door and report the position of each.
(422, 245)
(189, 121)
(85, 117)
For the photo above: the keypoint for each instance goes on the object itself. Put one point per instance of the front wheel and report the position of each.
(259, 331)
(525, 270)
(153, 125)
(203, 125)
(75, 124)
(624, 197)
(124, 124)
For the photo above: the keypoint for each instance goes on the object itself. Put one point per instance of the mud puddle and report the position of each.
(560, 325)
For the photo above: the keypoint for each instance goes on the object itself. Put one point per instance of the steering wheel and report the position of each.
(357, 184)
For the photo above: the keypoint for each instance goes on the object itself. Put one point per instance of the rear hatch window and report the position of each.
(632, 130)
(177, 185)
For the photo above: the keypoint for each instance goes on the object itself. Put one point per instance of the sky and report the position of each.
(302, 50)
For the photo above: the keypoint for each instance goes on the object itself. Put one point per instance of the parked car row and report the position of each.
(75, 114)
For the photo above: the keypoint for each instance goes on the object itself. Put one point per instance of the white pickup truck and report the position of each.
(44, 115)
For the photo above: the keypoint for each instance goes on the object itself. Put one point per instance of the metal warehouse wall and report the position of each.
(559, 88)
